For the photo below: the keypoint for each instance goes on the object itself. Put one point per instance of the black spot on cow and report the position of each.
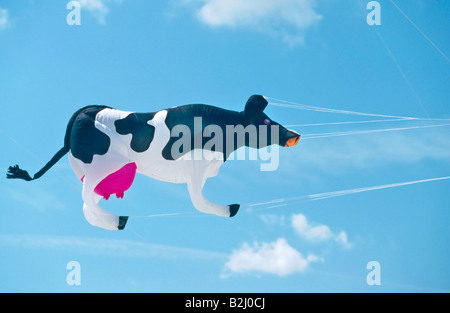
(85, 139)
(136, 124)
(210, 115)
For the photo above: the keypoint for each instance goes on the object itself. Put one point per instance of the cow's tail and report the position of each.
(16, 172)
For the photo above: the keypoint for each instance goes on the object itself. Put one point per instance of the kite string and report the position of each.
(399, 68)
(392, 118)
(321, 196)
(164, 215)
(282, 202)
(293, 105)
(420, 31)
(364, 122)
(360, 132)
(345, 123)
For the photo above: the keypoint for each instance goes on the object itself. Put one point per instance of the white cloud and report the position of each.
(317, 233)
(309, 232)
(4, 19)
(98, 8)
(277, 258)
(342, 239)
(284, 18)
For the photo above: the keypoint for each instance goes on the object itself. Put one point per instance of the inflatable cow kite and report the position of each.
(185, 144)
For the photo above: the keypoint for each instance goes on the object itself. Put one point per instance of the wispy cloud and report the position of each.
(109, 247)
(277, 258)
(38, 199)
(4, 19)
(288, 19)
(312, 232)
(367, 151)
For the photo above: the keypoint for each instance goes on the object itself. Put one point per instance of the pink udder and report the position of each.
(117, 182)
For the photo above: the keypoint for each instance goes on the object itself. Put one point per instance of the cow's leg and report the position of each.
(202, 204)
(94, 214)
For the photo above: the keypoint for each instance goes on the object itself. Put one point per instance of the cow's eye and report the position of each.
(267, 121)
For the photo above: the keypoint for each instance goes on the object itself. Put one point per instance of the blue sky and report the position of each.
(144, 56)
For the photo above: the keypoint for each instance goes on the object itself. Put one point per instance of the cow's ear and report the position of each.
(255, 105)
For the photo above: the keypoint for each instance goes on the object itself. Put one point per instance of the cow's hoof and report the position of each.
(234, 208)
(122, 222)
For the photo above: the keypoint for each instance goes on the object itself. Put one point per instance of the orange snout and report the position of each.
(292, 141)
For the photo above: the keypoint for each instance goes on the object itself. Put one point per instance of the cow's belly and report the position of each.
(183, 169)
(164, 170)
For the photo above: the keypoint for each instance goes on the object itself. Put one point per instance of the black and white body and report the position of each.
(107, 147)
